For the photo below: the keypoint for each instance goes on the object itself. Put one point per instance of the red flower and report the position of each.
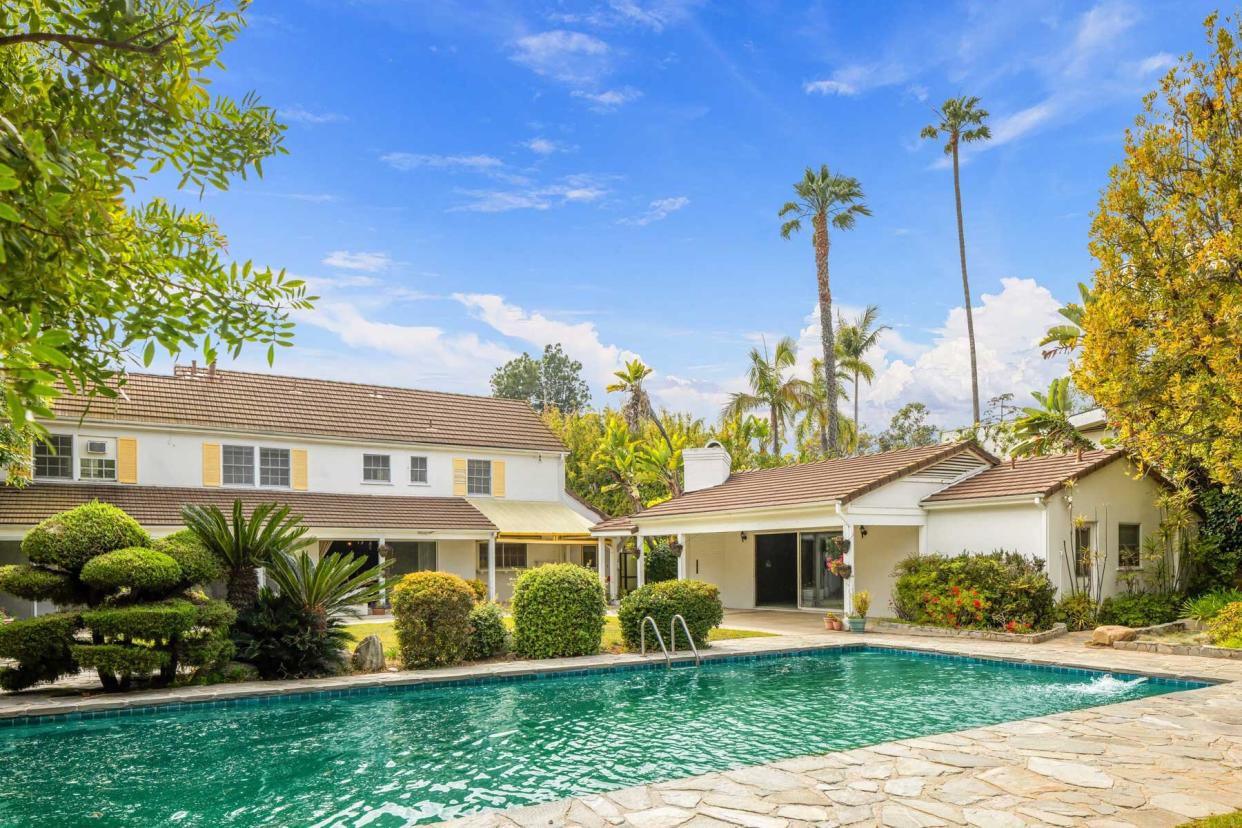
(978, 604)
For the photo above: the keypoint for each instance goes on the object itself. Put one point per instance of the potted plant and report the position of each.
(862, 603)
(832, 621)
(837, 566)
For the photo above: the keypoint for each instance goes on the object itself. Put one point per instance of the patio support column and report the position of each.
(851, 558)
(642, 560)
(681, 559)
(491, 567)
(600, 563)
(383, 596)
(614, 567)
(922, 539)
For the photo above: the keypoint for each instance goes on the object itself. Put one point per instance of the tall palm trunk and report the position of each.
(856, 440)
(776, 431)
(826, 335)
(970, 317)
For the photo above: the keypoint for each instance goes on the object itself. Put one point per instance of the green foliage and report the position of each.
(432, 611)
(69, 539)
(140, 570)
(1208, 605)
(38, 584)
(660, 563)
(552, 381)
(909, 429)
(40, 646)
(1077, 612)
(697, 601)
(1047, 429)
(1218, 562)
(95, 96)
(1010, 587)
(199, 565)
(1226, 627)
(774, 389)
(478, 587)
(160, 621)
(558, 610)
(124, 661)
(1140, 609)
(332, 585)
(489, 637)
(285, 639)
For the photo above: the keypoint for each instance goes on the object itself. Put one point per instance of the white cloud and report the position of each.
(300, 115)
(412, 160)
(367, 262)
(543, 146)
(658, 210)
(609, 99)
(1156, 63)
(857, 78)
(574, 189)
(1019, 123)
(829, 87)
(565, 56)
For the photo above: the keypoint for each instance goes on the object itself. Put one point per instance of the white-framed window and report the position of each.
(478, 477)
(1129, 546)
(376, 468)
(274, 467)
(53, 458)
(237, 465)
(97, 468)
(508, 556)
(418, 470)
(1084, 550)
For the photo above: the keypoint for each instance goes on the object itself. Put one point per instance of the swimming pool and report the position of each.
(396, 755)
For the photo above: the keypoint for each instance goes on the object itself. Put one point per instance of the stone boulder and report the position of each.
(1106, 635)
(368, 655)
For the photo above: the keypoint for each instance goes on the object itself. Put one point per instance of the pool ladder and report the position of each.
(672, 634)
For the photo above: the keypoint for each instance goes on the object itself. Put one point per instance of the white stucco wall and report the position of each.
(986, 528)
(724, 559)
(874, 559)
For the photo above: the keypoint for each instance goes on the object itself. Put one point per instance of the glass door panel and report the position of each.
(820, 588)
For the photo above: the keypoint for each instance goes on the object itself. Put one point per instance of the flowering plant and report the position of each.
(837, 566)
(955, 607)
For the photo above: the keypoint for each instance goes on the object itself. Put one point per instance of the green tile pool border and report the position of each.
(709, 659)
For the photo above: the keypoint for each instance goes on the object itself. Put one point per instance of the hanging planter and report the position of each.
(838, 567)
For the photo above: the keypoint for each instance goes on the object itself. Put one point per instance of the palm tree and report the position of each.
(637, 405)
(816, 412)
(961, 119)
(854, 339)
(246, 543)
(772, 387)
(1047, 429)
(1066, 338)
(825, 198)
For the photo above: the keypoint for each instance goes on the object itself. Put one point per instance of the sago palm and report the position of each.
(962, 121)
(773, 388)
(854, 340)
(825, 198)
(246, 543)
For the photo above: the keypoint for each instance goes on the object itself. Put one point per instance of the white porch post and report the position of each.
(491, 567)
(847, 531)
(600, 563)
(922, 539)
(642, 560)
(614, 568)
(383, 596)
(681, 559)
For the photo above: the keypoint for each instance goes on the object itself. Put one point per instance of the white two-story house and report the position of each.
(466, 484)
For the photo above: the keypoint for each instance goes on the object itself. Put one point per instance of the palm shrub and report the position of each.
(244, 544)
(698, 602)
(137, 604)
(432, 611)
(489, 637)
(296, 630)
(558, 610)
(1207, 606)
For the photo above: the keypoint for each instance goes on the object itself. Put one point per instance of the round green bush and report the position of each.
(70, 539)
(141, 570)
(1140, 609)
(1076, 612)
(37, 584)
(558, 610)
(150, 622)
(432, 618)
(489, 637)
(479, 588)
(199, 565)
(40, 646)
(697, 601)
(660, 563)
(1013, 587)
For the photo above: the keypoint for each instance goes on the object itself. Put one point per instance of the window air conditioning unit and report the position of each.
(96, 447)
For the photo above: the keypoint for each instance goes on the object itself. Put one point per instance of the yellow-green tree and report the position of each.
(1162, 340)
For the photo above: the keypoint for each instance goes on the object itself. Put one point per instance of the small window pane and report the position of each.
(55, 457)
(1082, 551)
(237, 465)
(375, 468)
(418, 469)
(1129, 546)
(273, 467)
(508, 556)
(479, 477)
(98, 468)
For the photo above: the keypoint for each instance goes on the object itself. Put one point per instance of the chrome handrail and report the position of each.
(672, 634)
(642, 639)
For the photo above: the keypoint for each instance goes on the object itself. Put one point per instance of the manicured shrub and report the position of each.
(1226, 627)
(660, 563)
(37, 584)
(70, 539)
(558, 610)
(1076, 612)
(136, 568)
(479, 588)
(489, 637)
(432, 611)
(1208, 605)
(1140, 609)
(124, 661)
(1013, 588)
(40, 648)
(163, 620)
(199, 565)
(697, 601)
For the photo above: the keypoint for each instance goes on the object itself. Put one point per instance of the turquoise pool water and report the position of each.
(388, 758)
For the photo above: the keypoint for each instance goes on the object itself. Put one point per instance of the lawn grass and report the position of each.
(1233, 820)
(610, 642)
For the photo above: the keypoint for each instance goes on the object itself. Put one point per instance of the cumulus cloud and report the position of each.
(657, 210)
(565, 56)
(368, 262)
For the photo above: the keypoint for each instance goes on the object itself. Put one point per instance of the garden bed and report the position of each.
(1184, 637)
(888, 625)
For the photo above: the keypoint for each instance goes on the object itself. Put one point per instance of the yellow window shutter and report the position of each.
(459, 477)
(297, 469)
(211, 464)
(126, 460)
(498, 478)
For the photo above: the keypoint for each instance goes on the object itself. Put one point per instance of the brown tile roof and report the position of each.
(841, 479)
(623, 523)
(272, 404)
(1029, 476)
(161, 506)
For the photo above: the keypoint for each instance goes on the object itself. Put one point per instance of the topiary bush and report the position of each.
(199, 565)
(1015, 590)
(432, 612)
(139, 570)
(558, 610)
(697, 601)
(489, 637)
(38, 584)
(1226, 627)
(40, 646)
(68, 540)
(1140, 609)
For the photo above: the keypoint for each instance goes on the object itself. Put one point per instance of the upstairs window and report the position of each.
(53, 459)
(97, 468)
(418, 470)
(237, 465)
(1129, 546)
(376, 468)
(479, 477)
(274, 467)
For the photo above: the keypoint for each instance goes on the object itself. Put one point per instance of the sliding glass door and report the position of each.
(820, 588)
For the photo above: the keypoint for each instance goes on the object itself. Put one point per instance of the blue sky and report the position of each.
(469, 181)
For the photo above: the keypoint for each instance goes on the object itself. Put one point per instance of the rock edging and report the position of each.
(880, 625)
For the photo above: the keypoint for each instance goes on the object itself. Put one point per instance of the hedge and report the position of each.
(558, 610)
(432, 612)
(199, 565)
(121, 660)
(141, 570)
(1140, 609)
(697, 601)
(69, 539)
(164, 620)
(1010, 588)
(489, 637)
(479, 588)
